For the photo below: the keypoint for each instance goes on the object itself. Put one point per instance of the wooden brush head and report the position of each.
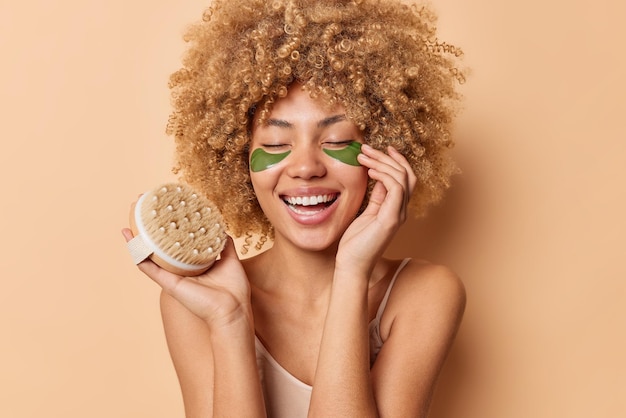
(183, 230)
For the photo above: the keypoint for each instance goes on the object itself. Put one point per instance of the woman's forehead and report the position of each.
(297, 103)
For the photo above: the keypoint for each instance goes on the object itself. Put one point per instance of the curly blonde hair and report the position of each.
(379, 59)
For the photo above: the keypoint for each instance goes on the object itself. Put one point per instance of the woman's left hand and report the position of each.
(369, 234)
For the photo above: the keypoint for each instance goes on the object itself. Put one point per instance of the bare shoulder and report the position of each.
(418, 327)
(425, 292)
(430, 284)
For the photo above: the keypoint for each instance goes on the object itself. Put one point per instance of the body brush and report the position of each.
(178, 229)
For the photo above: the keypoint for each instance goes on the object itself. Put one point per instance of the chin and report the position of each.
(314, 242)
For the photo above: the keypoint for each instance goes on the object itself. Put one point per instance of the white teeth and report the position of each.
(309, 200)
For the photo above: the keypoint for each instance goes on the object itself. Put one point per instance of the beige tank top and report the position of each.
(288, 397)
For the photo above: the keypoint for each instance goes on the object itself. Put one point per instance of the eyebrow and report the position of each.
(331, 120)
(280, 123)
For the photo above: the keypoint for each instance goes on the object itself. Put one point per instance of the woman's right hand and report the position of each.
(220, 297)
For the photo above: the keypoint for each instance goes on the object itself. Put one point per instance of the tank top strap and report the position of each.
(383, 303)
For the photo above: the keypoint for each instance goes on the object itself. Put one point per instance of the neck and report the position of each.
(295, 271)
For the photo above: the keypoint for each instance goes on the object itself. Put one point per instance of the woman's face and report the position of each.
(304, 170)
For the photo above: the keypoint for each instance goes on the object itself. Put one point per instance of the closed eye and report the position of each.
(275, 147)
(337, 144)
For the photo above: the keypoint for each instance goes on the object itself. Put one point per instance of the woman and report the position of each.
(314, 124)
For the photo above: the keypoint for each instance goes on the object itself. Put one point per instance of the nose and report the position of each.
(305, 162)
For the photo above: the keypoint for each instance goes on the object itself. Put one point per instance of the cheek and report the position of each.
(363, 182)
(257, 182)
(263, 183)
(355, 180)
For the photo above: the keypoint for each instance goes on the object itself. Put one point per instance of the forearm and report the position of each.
(237, 389)
(216, 366)
(342, 386)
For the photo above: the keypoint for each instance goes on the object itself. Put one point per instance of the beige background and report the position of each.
(534, 226)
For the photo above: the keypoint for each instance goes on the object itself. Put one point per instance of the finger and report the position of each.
(396, 165)
(147, 266)
(127, 234)
(385, 163)
(388, 198)
(229, 250)
(168, 281)
(395, 190)
(410, 179)
(371, 155)
(399, 169)
(401, 159)
(377, 197)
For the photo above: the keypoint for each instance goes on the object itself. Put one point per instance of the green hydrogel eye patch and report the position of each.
(346, 155)
(262, 160)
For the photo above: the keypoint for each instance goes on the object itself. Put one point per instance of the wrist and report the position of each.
(351, 271)
(237, 322)
(352, 265)
(236, 334)
(351, 279)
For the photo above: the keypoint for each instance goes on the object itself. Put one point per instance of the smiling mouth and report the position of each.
(309, 205)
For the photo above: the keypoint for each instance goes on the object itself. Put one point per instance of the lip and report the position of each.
(310, 217)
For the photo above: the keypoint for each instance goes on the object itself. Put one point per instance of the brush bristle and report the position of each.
(185, 225)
